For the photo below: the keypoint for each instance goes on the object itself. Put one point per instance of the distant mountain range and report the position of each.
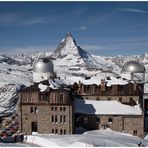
(69, 60)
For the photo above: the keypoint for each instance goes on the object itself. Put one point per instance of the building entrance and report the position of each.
(34, 127)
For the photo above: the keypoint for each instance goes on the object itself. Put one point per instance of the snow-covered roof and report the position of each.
(105, 108)
(53, 84)
(42, 87)
(96, 80)
(116, 81)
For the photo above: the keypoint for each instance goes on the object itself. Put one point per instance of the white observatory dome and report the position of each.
(43, 65)
(42, 69)
(133, 70)
(133, 67)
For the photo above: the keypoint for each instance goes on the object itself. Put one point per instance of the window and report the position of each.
(60, 108)
(52, 119)
(64, 118)
(109, 99)
(85, 120)
(64, 131)
(31, 110)
(34, 110)
(56, 131)
(64, 109)
(132, 102)
(61, 98)
(52, 131)
(61, 131)
(54, 108)
(131, 99)
(87, 88)
(60, 119)
(97, 98)
(135, 132)
(120, 99)
(110, 120)
(13, 117)
(56, 119)
(120, 88)
(97, 120)
(45, 97)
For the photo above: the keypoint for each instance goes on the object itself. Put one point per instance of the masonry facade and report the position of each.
(49, 112)
(129, 94)
(53, 111)
(132, 124)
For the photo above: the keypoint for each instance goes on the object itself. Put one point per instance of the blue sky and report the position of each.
(101, 28)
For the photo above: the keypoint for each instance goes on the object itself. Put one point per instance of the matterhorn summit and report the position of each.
(72, 59)
(72, 54)
(68, 48)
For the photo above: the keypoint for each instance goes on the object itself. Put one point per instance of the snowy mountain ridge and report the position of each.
(70, 60)
(71, 52)
(68, 47)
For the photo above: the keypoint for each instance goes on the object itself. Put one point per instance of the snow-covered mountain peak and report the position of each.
(69, 39)
(72, 57)
(67, 47)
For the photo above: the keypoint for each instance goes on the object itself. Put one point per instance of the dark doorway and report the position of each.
(34, 127)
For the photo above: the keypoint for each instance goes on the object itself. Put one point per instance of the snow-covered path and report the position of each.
(103, 138)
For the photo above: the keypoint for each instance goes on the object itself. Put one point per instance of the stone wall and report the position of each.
(122, 123)
(132, 124)
(43, 117)
(103, 98)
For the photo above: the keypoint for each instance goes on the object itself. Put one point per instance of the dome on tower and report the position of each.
(43, 65)
(133, 67)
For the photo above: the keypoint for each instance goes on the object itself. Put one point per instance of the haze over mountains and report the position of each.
(69, 60)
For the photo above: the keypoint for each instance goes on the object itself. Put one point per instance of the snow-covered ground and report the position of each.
(103, 138)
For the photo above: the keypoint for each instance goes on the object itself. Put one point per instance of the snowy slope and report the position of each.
(71, 59)
(99, 138)
(13, 74)
(115, 63)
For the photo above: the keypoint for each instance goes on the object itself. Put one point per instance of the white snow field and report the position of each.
(99, 138)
